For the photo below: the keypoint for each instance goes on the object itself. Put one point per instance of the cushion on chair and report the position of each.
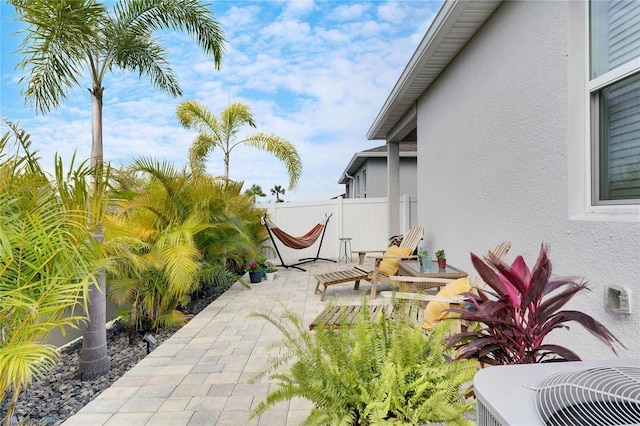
(434, 311)
(389, 267)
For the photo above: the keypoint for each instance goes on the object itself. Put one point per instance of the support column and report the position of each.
(405, 215)
(393, 187)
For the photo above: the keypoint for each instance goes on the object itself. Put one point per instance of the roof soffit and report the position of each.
(451, 29)
(407, 149)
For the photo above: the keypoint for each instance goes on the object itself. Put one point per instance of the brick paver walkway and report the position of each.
(200, 375)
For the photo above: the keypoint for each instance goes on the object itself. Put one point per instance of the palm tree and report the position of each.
(179, 232)
(277, 190)
(64, 39)
(47, 261)
(255, 191)
(220, 132)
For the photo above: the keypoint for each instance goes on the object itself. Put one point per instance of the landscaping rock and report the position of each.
(62, 393)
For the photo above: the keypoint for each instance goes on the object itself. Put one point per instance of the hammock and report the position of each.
(296, 243)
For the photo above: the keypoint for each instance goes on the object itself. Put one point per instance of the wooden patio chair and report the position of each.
(412, 239)
(435, 305)
(385, 265)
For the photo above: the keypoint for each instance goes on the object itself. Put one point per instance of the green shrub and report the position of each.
(383, 372)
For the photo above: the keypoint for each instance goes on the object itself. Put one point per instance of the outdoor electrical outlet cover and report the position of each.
(617, 300)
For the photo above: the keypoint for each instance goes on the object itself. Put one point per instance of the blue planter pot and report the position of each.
(255, 277)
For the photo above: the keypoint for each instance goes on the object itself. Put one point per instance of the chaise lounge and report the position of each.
(385, 266)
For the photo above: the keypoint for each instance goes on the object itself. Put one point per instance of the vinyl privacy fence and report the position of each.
(364, 220)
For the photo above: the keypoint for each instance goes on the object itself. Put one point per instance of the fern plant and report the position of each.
(379, 373)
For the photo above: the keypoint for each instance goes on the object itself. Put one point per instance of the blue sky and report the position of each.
(313, 72)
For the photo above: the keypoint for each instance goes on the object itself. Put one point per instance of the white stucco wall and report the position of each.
(492, 161)
(408, 176)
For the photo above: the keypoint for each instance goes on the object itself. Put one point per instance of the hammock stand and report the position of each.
(297, 243)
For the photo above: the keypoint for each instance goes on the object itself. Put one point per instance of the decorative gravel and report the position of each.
(62, 393)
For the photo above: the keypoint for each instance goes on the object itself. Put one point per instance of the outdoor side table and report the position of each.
(411, 268)
(345, 249)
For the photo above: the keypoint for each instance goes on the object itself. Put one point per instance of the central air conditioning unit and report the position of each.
(559, 393)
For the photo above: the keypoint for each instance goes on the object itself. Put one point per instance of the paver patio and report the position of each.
(200, 375)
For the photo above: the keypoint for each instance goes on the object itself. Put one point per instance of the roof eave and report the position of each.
(456, 22)
(360, 158)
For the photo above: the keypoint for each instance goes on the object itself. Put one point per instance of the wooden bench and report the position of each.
(336, 317)
(339, 277)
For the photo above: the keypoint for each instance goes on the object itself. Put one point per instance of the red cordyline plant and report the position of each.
(524, 309)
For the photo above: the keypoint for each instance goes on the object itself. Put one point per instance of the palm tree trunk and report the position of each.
(12, 405)
(133, 322)
(94, 359)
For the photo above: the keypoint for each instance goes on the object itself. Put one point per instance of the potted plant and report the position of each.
(425, 260)
(442, 259)
(271, 271)
(255, 272)
(518, 312)
(261, 260)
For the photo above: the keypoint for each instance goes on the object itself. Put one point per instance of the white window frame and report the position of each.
(364, 181)
(581, 127)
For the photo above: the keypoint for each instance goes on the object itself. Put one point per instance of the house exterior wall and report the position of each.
(376, 171)
(408, 176)
(492, 161)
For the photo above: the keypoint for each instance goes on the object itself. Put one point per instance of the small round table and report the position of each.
(345, 249)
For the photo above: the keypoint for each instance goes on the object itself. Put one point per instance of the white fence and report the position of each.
(364, 220)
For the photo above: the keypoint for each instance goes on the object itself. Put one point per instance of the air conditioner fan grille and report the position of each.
(594, 396)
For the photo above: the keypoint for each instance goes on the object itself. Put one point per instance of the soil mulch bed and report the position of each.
(63, 393)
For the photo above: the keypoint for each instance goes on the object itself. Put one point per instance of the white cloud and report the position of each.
(288, 31)
(298, 7)
(394, 12)
(349, 12)
(315, 73)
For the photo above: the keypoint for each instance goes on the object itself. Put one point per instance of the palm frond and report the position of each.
(23, 362)
(146, 56)
(57, 39)
(192, 16)
(283, 150)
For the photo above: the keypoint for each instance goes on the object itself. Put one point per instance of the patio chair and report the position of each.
(385, 266)
(436, 305)
(412, 239)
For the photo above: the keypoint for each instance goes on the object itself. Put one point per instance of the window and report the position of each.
(614, 98)
(364, 183)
